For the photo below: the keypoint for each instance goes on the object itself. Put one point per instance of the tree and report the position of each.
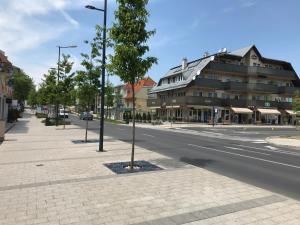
(129, 36)
(87, 80)
(65, 84)
(22, 85)
(109, 97)
(47, 93)
(296, 102)
(32, 98)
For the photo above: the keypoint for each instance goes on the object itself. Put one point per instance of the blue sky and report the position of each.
(30, 30)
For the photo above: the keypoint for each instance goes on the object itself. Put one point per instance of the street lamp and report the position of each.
(58, 71)
(103, 72)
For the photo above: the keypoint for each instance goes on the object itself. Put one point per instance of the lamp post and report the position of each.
(58, 71)
(103, 72)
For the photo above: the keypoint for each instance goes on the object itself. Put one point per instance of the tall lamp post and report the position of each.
(58, 71)
(103, 72)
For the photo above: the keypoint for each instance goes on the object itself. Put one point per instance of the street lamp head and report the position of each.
(70, 46)
(93, 8)
(90, 7)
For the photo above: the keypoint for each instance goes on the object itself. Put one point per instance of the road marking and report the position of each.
(148, 135)
(120, 128)
(246, 156)
(214, 133)
(271, 147)
(269, 150)
(259, 142)
(239, 149)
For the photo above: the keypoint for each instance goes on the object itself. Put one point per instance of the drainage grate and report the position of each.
(139, 166)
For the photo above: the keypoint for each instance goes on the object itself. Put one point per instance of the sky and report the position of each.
(31, 30)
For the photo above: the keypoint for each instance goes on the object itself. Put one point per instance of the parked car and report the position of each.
(86, 116)
(63, 113)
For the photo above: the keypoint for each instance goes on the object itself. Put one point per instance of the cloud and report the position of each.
(248, 3)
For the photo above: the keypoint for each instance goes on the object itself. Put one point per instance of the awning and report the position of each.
(242, 110)
(269, 111)
(293, 113)
(154, 107)
(174, 106)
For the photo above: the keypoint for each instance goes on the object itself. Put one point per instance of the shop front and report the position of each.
(241, 115)
(268, 116)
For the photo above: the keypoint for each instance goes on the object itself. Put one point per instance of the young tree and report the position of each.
(129, 36)
(66, 84)
(87, 80)
(109, 97)
(296, 102)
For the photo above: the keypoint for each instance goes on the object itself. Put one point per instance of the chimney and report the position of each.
(184, 63)
(205, 54)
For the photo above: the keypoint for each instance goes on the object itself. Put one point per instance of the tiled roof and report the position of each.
(146, 82)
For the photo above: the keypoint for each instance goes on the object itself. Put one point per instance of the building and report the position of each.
(141, 88)
(228, 87)
(6, 69)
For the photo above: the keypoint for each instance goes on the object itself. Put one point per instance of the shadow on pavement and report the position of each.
(21, 125)
(197, 162)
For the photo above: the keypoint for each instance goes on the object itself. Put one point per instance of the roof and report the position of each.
(195, 67)
(188, 74)
(3, 59)
(146, 82)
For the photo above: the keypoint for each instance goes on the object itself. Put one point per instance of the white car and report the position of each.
(63, 113)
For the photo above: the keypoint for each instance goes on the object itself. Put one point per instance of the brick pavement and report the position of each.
(47, 179)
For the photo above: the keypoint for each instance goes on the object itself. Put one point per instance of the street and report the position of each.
(233, 152)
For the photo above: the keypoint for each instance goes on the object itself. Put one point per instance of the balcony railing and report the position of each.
(206, 101)
(251, 70)
(244, 87)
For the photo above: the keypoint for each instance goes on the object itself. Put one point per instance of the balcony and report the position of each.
(183, 101)
(206, 101)
(288, 90)
(251, 70)
(262, 88)
(209, 83)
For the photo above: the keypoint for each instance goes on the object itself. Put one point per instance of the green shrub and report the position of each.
(41, 115)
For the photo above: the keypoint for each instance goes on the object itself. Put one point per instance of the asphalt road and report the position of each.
(236, 153)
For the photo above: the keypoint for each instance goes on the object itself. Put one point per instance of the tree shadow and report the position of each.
(197, 162)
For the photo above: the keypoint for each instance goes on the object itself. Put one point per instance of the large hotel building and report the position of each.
(240, 86)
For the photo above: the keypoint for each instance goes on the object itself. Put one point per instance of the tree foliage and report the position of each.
(296, 102)
(88, 79)
(22, 85)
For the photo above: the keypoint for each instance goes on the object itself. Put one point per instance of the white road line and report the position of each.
(269, 150)
(148, 135)
(246, 156)
(271, 147)
(239, 149)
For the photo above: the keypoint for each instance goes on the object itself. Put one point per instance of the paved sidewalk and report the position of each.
(47, 179)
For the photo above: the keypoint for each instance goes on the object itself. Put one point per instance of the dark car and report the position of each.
(86, 116)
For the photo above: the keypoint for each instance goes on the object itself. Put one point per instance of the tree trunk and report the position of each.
(133, 127)
(87, 121)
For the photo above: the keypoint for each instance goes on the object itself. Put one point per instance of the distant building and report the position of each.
(228, 87)
(141, 88)
(6, 69)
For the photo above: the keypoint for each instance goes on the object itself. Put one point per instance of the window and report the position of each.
(236, 97)
(254, 64)
(210, 94)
